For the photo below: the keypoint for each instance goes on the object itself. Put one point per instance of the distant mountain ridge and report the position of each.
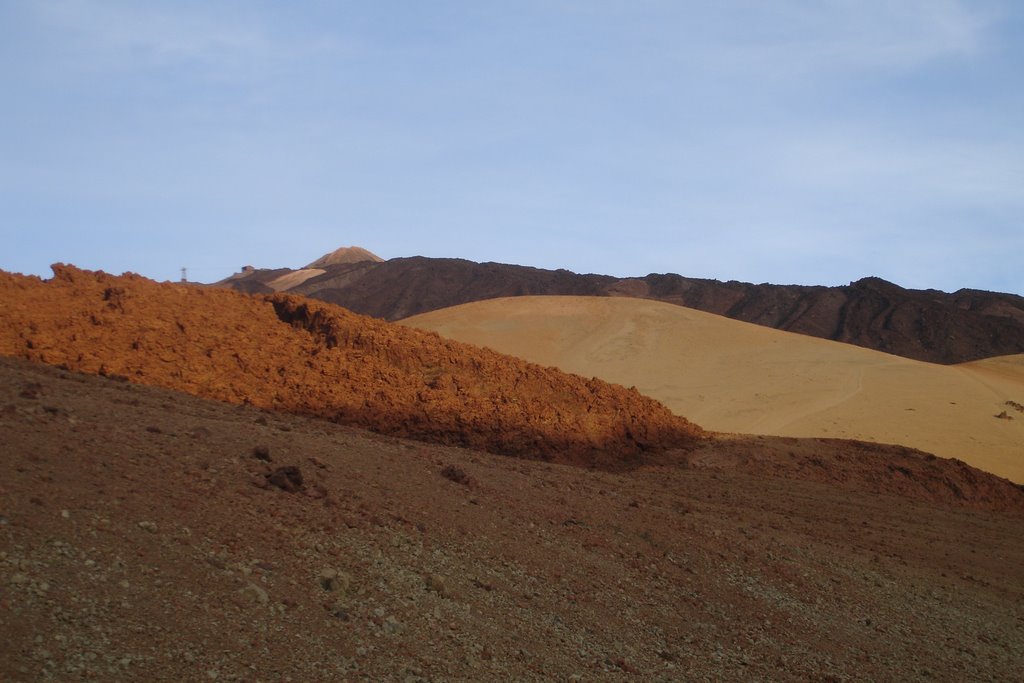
(926, 325)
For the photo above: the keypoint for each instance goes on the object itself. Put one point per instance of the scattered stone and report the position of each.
(316, 491)
(31, 391)
(392, 626)
(455, 474)
(255, 593)
(1004, 416)
(153, 429)
(335, 581)
(261, 452)
(288, 478)
(339, 611)
(200, 433)
(436, 584)
(148, 526)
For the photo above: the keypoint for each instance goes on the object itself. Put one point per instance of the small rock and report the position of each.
(261, 452)
(31, 391)
(148, 526)
(200, 433)
(339, 611)
(255, 593)
(436, 583)
(335, 581)
(455, 474)
(392, 626)
(287, 478)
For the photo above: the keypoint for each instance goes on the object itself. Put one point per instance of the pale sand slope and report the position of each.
(732, 376)
(294, 278)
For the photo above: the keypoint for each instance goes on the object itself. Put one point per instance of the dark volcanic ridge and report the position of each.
(925, 325)
(295, 355)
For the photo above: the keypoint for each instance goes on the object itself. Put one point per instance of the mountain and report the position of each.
(345, 255)
(207, 485)
(732, 376)
(925, 325)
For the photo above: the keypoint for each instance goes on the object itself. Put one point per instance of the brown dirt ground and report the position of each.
(140, 539)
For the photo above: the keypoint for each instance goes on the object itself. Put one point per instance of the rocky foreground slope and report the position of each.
(293, 354)
(146, 535)
(924, 325)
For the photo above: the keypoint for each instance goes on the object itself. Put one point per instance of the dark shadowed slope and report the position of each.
(921, 324)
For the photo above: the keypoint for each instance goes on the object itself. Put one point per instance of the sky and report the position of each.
(785, 141)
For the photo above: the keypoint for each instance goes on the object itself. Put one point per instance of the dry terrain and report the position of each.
(736, 377)
(926, 325)
(304, 356)
(191, 492)
(146, 535)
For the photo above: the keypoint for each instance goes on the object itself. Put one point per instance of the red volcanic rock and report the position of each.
(287, 353)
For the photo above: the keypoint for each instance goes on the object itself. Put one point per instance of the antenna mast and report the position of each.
(183, 277)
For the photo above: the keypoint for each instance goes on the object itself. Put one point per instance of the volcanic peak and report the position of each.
(345, 255)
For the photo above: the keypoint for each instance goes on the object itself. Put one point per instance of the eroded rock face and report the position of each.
(288, 353)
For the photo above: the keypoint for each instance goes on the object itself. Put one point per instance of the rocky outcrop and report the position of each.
(293, 354)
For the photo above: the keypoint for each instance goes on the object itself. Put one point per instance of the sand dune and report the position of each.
(738, 377)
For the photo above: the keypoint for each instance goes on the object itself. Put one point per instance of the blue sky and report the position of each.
(787, 141)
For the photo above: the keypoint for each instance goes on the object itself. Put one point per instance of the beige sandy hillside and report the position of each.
(736, 377)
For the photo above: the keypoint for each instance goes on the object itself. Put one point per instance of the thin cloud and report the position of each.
(933, 171)
(212, 44)
(812, 36)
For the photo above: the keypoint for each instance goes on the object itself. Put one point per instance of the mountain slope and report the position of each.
(920, 324)
(289, 353)
(142, 542)
(737, 377)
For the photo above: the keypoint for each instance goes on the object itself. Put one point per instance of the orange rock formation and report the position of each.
(288, 353)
